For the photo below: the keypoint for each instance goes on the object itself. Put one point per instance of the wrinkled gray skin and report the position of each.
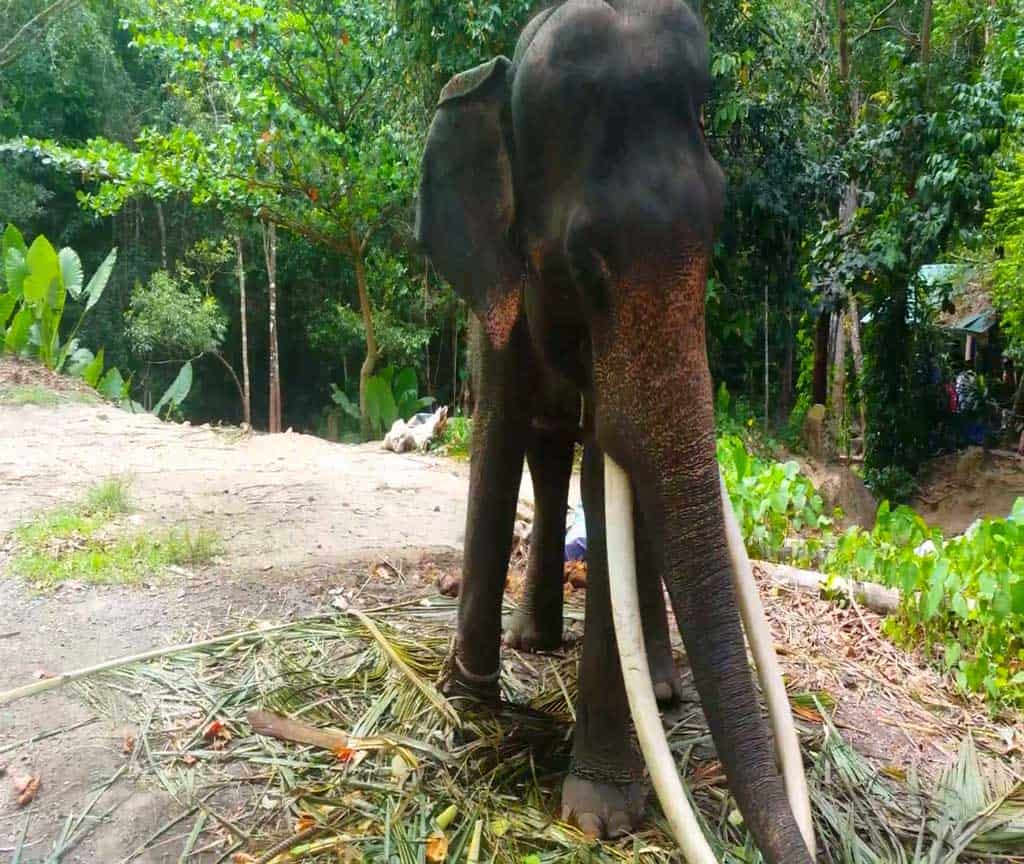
(569, 196)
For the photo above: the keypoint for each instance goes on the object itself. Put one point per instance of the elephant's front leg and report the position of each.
(500, 433)
(664, 677)
(604, 792)
(537, 625)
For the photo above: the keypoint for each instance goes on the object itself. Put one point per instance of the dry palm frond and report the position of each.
(409, 758)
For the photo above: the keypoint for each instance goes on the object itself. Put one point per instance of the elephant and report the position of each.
(569, 196)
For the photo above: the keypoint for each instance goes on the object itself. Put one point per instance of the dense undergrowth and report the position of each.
(962, 598)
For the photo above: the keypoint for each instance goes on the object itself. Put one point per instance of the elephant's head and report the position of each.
(574, 186)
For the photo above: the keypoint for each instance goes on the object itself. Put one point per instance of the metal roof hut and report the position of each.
(966, 312)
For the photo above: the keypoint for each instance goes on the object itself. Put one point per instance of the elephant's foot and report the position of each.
(603, 810)
(460, 683)
(668, 689)
(529, 631)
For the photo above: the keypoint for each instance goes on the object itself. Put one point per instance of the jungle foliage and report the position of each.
(861, 139)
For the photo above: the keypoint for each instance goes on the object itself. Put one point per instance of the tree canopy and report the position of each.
(861, 140)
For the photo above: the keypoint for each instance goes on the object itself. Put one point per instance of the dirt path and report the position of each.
(299, 517)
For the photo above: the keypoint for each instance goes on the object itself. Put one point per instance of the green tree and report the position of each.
(291, 111)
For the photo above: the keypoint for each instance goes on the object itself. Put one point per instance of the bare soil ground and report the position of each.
(301, 519)
(957, 489)
(298, 517)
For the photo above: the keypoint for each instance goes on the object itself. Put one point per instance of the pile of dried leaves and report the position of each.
(328, 740)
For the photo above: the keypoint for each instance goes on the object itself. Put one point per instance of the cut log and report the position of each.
(877, 598)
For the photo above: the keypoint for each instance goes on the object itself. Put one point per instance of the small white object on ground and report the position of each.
(417, 433)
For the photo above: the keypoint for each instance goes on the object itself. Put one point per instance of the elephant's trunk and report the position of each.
(698, 572)
(636, 675)
(653, 344)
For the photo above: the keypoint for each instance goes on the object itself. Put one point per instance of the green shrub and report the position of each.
(457, 438)
(774, 503)
(38, 281)
(170, 318)
(965, 594)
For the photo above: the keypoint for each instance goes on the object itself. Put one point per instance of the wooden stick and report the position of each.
(286, 729)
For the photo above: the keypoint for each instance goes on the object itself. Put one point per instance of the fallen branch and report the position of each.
(875, 597)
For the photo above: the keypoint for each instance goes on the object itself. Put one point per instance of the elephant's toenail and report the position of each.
(589, 824)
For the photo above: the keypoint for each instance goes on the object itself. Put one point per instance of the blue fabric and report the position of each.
(576, 539)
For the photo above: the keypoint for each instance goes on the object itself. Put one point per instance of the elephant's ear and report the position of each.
(466, 205)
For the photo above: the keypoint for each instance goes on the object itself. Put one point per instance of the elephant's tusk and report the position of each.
(787, 745)
(618, 508)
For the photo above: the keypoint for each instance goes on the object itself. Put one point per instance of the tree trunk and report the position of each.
(766, 375)
(456, 391)
(246, 393)
(858, 358)
(270, 254)
(839, 380)
(786, 379)
(926, 33)
(163, 234)
(358, 248)
(844, 43)
(426, 325)
(821, 334)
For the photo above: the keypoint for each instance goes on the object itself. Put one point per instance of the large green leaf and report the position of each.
(43, 283)
(17, 338)
(405, 382)
(112, 385)
(94, 290)
(12, 254)
(15, 271)
(380, 404)
(179, 389)
(7, 304)
(91, 374)
(48, 322)
(71, 271)
(78, 358)
(340, 398)
(12, 239)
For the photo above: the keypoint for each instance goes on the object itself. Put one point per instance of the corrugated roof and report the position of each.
(976, 322)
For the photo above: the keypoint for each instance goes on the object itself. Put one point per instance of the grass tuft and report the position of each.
(109, 497)
(86, 543)
(29, 395)
(42, 397)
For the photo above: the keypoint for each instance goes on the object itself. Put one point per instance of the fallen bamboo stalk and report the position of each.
(875, 597)
(68, 677)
